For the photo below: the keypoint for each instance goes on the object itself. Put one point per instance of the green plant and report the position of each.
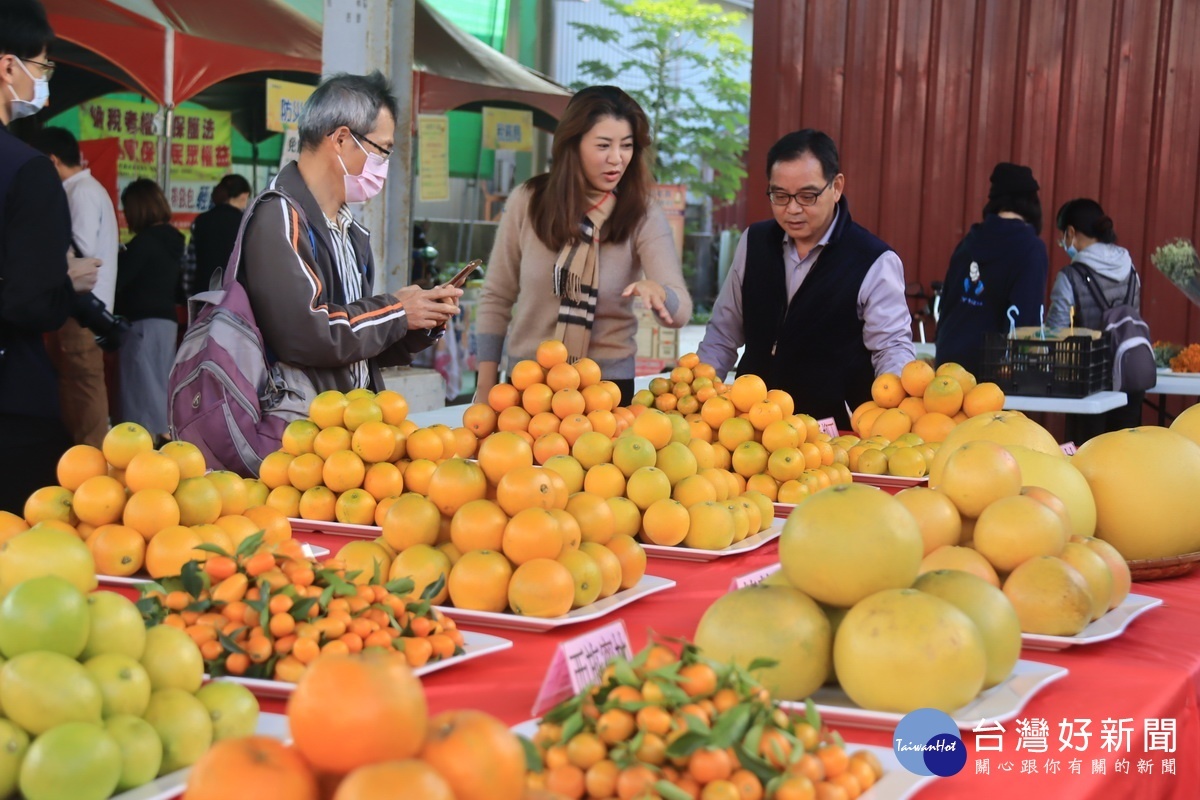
(686, 54)
(1178, 261)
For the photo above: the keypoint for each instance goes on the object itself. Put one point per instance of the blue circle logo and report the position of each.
(926, 742)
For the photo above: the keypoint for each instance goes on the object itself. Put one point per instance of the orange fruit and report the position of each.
(456, 482)
(479, 581)
(551, 352)
(943, 395)
(298, 436)
(567, 401)
(654, 426)
(513, 419)
(631, 556)
(343, 471)
(330, 440)
(887, 391)
(304, 471)
(915, 377)
(360, 411)
(418, 474)
(478, 525)
(49, 503)
(574, 426)
(393, 405)
(959, 373)
(199, 501)
(327, 409)
(502, 396)
(273, 471)
(152, 470)
(11, 525)
(270, 520)
(100, 500)
(187, 456)
(411, 779)
(465, 442)
(233, 491)
(477, 754)
(117, 549)
(747, 390)
(978, 474)
(425, 443)
(355, 507)
(913, 406)
(480, 418)
(412, 519)
(549, 445)
(383, 480)
(605, 480)
(603, 421)
(763, 414)
(374, 442)
(525, 487)
(78, 464)
(933, 426)
(318, 503)
(562, 376)
(983, 398)
(891, 425)
(124, 441)
(382, 715)
(503, 452)
(170, 549)
(541, 587)
(150, 511)
(594, 515)
(263, 766)
(526, 373)
(532, 533)
(542, 423)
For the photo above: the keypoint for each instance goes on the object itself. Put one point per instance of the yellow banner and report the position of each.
(284, 101)
(433, 157)
(507, 129)
(200, 139)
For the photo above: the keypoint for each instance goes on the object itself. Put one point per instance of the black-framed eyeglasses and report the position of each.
(386, 152)
(803, 199)
(48, 67)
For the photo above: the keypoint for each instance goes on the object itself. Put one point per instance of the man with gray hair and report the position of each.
(307, 264)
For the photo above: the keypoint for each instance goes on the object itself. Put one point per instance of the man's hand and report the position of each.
(82, 272)
(429, 308)
(653, 295)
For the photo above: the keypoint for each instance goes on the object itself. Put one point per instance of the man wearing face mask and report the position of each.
(307, 265)
(38, 280)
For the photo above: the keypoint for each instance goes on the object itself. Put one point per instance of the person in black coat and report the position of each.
(215, 231)
(147, 286)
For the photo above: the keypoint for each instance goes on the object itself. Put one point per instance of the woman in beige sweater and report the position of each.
(577, 244)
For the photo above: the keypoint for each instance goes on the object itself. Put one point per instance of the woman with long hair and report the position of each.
(148, 272)
(577, 244)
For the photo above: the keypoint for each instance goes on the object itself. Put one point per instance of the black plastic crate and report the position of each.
(1073, 367)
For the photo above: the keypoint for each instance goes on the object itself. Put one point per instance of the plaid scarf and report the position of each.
(576, 281)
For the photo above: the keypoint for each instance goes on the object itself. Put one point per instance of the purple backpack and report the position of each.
(225, 395)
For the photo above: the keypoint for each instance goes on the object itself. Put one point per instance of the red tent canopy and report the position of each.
(171, 50)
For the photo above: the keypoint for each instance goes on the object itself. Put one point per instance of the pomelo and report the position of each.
(232, 707)
(1095, 572)
(44, 613)
(1001, 427)
(123, 682)
(14, 742)
(116, 626)
(774, 622)
(41, 690)
(1058, 474)
(141, 750)
(1050, 597)
(172, 659)
(989, 609)
(183, 724)
(46, 551)
(73, 761)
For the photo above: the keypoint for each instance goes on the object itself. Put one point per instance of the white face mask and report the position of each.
(41, 96)
(361, 188)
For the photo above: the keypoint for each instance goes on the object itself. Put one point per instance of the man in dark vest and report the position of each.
(817, 300)
(38, 280)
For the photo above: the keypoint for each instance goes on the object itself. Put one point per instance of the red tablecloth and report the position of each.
(1152, 672)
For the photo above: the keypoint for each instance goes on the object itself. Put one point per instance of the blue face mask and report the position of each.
(1069, 249)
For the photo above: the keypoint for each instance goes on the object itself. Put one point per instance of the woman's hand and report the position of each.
(653, 295)
(488, 376)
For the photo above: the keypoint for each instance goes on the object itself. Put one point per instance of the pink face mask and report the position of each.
(361, 188)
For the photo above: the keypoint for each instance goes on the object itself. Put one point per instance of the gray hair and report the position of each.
(343, 99)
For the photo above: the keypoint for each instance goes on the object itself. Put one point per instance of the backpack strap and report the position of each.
(1085, 274)
(232, 266)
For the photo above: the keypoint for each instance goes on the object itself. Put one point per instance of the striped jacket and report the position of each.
(300, 301)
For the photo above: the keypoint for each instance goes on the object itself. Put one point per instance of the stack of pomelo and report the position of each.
(361, 729)
(140, 508)
(109, 705)
(924, 401)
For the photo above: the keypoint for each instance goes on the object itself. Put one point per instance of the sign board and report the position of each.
(1068, 448)
(284, 101)
(753, 578)
(433, 157)
(828, 426)
(578, 663)
(507, 129)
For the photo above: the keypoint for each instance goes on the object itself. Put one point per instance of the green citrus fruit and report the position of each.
(13, 744)
(232, 707)
(172, 660)
(124, 684)
(45, 613)
(46, 551)
(116, 626)
(141, 750)
(183, 724)
(73, 761)
(42, 690)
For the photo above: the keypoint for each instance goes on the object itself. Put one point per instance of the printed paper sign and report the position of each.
(1068, 448)
(433, 157)
(507, 129)
(829, 426)
(753, 578)
(578, 663)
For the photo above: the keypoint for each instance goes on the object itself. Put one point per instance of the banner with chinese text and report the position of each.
(433, 157)
(507, 129)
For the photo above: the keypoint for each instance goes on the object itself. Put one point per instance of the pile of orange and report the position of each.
(138, 508)
(924, 401)
(502, 534)
(634, 724)
(361, 730)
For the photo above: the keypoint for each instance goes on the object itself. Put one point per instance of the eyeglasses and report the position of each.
(48, 67)
(803, 199)
(386, 152)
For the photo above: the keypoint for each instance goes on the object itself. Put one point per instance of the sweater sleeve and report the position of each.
(502, 280)
(1062, 297)
(293, 308)
(659, 261)
(37, 293)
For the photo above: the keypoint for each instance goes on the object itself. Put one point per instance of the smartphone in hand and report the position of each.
(461, 278)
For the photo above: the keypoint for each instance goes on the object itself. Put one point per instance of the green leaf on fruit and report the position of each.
(299, 611)
(762, 663)
(732, 725)
(249, 546)
(670, 791)
(752, 761)
(209, 547)
(400, 586)
(572, 725)
(811, 715)
(229, 644)
(434, 589)
(694, 723)
(533, 759)
(190, 575)
(687, 744)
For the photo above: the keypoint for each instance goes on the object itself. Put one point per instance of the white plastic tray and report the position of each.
(889, 481)
(335, 528)
(475, 646)
(750, 543)
(997, 704)
(310, 550)
(648, 585)
(1110, 626)
(897, 783)
(171, 785)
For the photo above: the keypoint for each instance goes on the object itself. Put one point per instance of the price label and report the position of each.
(753, 578)
(578, 663)
(1068, 449)
(829, 426)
